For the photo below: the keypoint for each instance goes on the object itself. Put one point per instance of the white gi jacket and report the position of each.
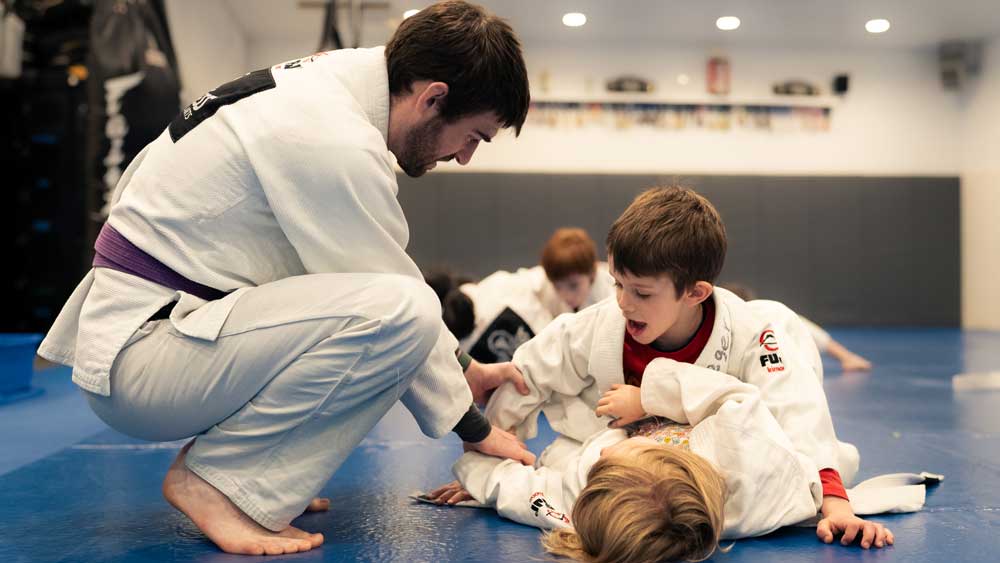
(291, 180)
(576, 358)
(768, 483)
(528, 293)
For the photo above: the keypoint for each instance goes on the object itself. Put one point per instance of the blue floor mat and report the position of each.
(99, 499)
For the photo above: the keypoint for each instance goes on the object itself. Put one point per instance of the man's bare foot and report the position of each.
(318, 504)
(225, 524)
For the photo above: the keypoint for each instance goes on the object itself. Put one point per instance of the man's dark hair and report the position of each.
(472, 51)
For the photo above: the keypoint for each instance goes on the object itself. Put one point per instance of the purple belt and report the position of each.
(114, 251)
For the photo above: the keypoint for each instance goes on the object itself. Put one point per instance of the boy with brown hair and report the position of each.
(665, 252)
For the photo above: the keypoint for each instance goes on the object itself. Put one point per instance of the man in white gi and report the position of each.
(251, 285)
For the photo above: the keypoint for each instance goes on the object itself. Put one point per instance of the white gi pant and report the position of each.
(303, 368)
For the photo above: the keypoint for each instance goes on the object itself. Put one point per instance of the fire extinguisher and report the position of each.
(718, 75)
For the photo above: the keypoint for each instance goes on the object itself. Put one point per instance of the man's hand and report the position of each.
(502, 444)
(484, 378)
(450, 494)
(623, 402)
(839, 518)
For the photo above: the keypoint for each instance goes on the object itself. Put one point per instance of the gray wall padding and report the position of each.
(840, 250)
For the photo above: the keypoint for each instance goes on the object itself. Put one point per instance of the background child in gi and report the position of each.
(849, 361)
(494, 316)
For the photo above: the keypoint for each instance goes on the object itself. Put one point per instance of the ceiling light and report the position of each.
(877, 26)
(409, 13)
(727, 23)
(574, 19)
(683, 79)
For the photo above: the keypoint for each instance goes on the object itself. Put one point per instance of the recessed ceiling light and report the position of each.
(727, 23)
(683, 79)
(409, 13)
(877, 26)
(574, 19)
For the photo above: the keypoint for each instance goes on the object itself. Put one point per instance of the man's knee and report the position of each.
(418, 313)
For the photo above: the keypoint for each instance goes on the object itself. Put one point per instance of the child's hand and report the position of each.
(843, 521)
(450, 494)
(854, 362)
(623, 402)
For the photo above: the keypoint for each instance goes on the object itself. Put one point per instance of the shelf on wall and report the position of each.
(630, 100)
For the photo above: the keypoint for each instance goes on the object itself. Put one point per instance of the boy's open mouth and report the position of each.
(635, 327)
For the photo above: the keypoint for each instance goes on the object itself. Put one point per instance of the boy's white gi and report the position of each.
(573, 361)
(528, 293)
(768, 483)
(287, 199)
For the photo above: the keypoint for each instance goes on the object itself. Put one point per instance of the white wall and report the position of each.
(265, 52)
(896, 119)
(210, 46)
(981, 197)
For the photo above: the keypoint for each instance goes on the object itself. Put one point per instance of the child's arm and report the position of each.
(554, 361)
(682, 392)
(794, 395)
(792, 391)
(688, 393)
(536, 497)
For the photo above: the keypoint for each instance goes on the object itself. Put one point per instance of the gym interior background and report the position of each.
(856, 171)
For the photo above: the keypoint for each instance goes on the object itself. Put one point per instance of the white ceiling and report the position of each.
(799, 23)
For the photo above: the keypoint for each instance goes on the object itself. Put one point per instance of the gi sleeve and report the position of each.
(792, 391)
(689, 394)
(554, 361)
(535, 497)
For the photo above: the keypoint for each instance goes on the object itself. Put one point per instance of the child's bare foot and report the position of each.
(318, 504)
(225, 524)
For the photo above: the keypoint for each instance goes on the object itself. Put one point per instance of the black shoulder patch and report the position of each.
(230, 92)
(501, 338)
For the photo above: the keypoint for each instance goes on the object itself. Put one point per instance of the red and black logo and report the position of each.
(769, 341)
(770, 358)
(541, 507)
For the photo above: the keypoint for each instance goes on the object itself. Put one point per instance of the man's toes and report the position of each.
(314, 540)
(273, 548)
(246, 549)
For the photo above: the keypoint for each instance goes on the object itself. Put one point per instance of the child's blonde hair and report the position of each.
(659, 503)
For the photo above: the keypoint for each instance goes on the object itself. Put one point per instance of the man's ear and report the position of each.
(699, 292)
(431, 97)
